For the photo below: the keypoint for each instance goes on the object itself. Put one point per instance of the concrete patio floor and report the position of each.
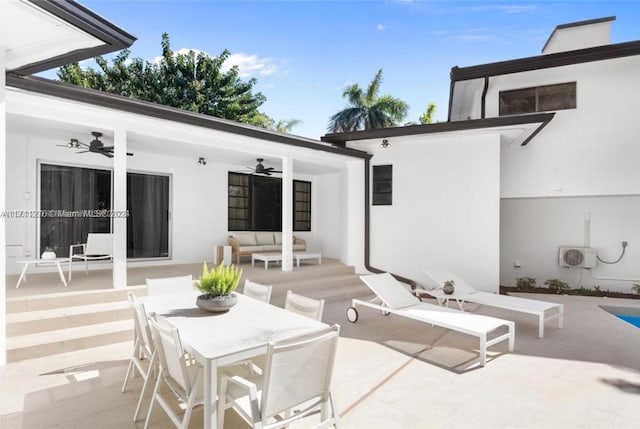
(390, 373)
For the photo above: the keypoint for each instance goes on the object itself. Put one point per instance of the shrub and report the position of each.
(557, 286)
(636, 288)
(526, 283)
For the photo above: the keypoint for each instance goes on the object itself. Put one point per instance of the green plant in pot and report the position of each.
(49, 253)
(218, 285)
(448, 287)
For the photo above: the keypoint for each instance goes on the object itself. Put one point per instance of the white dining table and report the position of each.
(217, 339)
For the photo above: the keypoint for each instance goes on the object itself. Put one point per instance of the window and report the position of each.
(255, 203)
(538, 99)
(302, 206)
(382, 185)
(73, 197)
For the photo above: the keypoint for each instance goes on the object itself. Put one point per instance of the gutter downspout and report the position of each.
(367, 231)
(483, 99)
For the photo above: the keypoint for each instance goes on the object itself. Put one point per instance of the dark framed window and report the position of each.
(538, 99)
(255, 203)
(301, 205)
(77, 201)
(382, 194)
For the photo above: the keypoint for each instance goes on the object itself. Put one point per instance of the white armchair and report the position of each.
(99, 246)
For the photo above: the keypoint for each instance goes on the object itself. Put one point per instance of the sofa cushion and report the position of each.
(251, 248)
(278, 237)
(299, 247)
(272, 247)
(245, 238)
(263, 238)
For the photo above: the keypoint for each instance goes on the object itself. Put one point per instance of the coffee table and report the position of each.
(266, 257)
(42, 263)
(307, 255)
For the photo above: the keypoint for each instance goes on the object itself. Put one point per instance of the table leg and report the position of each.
(210, 394)
(22, 274)
(64, 282)
(266, 263)
(298, 261)
(253, 260)
(319, 260)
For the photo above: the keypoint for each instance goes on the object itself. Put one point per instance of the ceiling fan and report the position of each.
(261, 169)
(95, 146)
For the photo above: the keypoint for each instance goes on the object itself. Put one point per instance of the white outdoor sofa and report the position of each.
(394, 298)
(245, 243)
(463, 292)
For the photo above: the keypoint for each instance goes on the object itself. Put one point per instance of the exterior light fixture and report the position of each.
(202, 161)
(385, 144)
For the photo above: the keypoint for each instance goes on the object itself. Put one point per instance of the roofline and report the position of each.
(443, 127)
(597, 53)
(577, 24)
(86, 20)
(131, 105)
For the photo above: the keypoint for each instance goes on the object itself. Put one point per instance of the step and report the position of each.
(313, 284)
(275, 274)
(32, 322)
(344, 292)
(70, 299)
(67, 340)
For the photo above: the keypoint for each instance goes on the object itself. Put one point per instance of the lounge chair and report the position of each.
(463, 292)
(394, 298)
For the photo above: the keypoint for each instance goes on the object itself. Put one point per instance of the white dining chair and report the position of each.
(257, 291)
(185, 382)
(298, 374)
(143, 348)
(166, 285)
(99, 247)
(304, 306)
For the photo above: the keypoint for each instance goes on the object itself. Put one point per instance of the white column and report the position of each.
(287, 214)
(3, 206)
(119, 206)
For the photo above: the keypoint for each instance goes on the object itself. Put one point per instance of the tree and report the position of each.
(191, 81)
(285, 126)
(367, 110)
(427, 116)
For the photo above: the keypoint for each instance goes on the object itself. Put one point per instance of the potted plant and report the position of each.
(49, 253)
(217, 285)
(448, 287)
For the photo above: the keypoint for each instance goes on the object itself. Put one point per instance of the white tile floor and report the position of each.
(391, 373)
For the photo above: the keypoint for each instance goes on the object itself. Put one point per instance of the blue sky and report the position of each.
(304, 53)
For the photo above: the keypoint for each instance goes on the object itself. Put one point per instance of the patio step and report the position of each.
(66, 340)
(70, 299)
(31, 322)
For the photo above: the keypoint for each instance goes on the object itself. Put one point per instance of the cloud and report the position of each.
(251, 64)
(248, 65)
(381, 27)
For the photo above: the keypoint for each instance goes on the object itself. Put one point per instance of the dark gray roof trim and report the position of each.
(558, 59)
(443, 127)
(77, 15)
(131, 105)
(577, 24)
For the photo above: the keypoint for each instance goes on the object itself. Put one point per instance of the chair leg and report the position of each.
(130, 367)
(86, 266)
(191, 401)
(222, 402)
(153, 399)
(152, 364)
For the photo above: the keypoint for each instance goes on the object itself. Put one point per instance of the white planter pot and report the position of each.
(47, 256)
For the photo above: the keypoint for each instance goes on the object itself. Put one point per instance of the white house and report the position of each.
(477, 193)
(468, 196)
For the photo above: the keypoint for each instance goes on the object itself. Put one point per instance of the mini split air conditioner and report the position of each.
(577, 257)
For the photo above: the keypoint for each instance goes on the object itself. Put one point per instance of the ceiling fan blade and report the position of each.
(129, 154)
(107, 154)
(276, 171)
(84, 151)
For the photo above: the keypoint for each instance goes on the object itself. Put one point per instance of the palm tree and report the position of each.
(283, 126)
(367, 110)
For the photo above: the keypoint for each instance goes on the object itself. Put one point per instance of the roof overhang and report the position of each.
(537, 62)
(158, 111)
(39, 35)
(517, 129)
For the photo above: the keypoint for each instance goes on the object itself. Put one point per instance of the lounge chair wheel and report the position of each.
(385, 313)
(352, 314)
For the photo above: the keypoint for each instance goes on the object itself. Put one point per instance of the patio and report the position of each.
(391, 372)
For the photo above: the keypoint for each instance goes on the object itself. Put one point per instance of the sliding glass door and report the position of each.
(148, 221)
(75, 201)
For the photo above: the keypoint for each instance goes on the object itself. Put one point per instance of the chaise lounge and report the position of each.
(394, 298)
(463, 292)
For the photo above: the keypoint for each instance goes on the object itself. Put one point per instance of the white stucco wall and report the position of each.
(199, 198)
(445, 212)
(585, 160)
